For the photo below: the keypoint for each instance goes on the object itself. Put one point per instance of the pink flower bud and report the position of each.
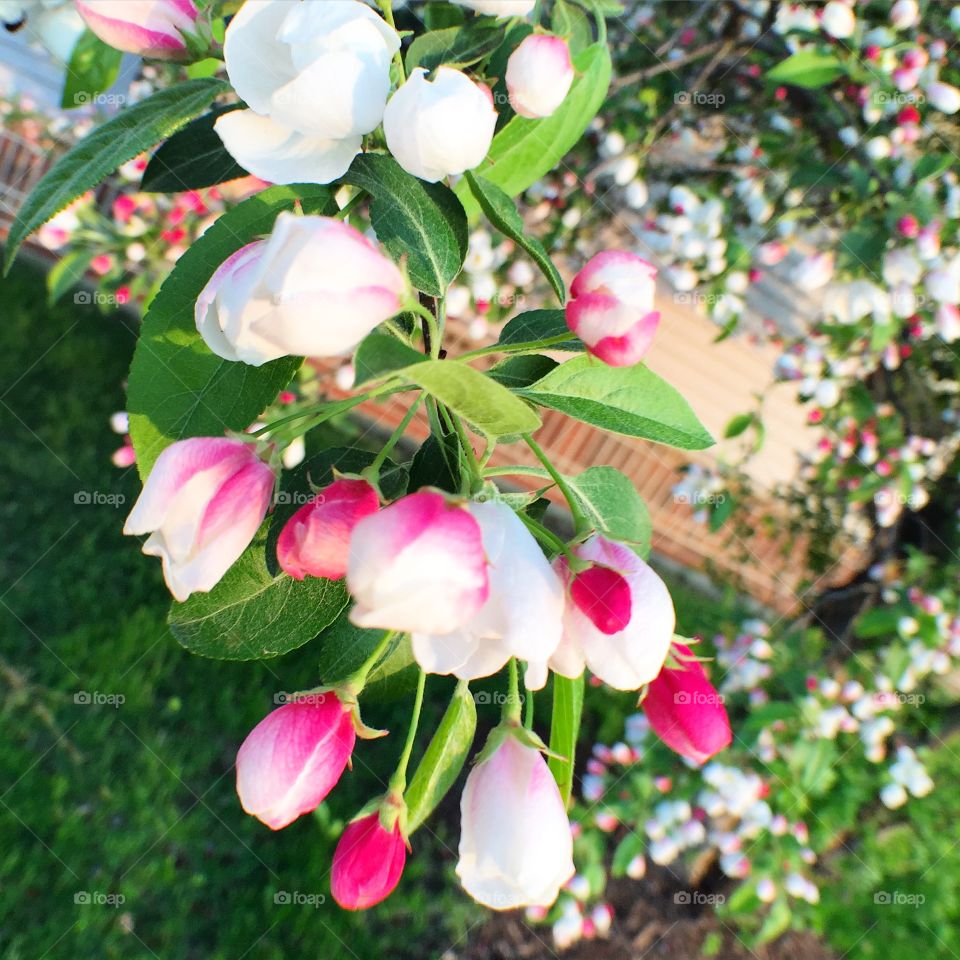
(619, 617)
(908, 226)
(150, 28)
(316, 540)
(611, 307)
(367, 863)
(202, 504)
(686, 712)
(294, 757)
(516, 848)
(539, 74)
(418, 565)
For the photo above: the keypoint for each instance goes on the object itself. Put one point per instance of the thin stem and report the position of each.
(528, 713)
(517, 470)
(398, 782)
(579, 520)
(387, 7)
(349, 206)
(529, 346)
(374, 469)
(433, 327)
(544, 535)
(511, 707)
(356, 681)
(472, 463)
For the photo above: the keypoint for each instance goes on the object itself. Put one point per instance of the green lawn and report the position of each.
(136, 801)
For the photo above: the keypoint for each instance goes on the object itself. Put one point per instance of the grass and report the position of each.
(131, 806)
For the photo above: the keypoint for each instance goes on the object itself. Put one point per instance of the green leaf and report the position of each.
(571, 22)
(444, 758)
(192, 159)
(93, 68)
(490, 407)
(522, 371)
(454, 46)
(630, 400)
(613, 504)
(437, 464)
(66, 273)
(379, 355)
(631, 846)
(115, 142)
(738, 425)
(540, 326)
(807, 69)
(931, 165)
(525, 150)
(501, 211)
(564, 729)
(776, 922)
(252, 614)
(422, 222)
(721, 510)
(177, 387)
(344, 648)
(438, 14)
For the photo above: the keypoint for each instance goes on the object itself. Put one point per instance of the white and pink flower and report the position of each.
(611, 307)
(294, 757)
(202, 505)
(522, 616)
(150, 28)
(315, 77)
(539, 74)
(516, 847)
(315, 541)
(619, 617)
(418, 565)
(316, 287)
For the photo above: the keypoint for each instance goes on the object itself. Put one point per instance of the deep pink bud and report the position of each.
(367, 863)
(316, 540)
(604, 596)
(611, 307)
(294, 757)
(686, 712)
(908, 226)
